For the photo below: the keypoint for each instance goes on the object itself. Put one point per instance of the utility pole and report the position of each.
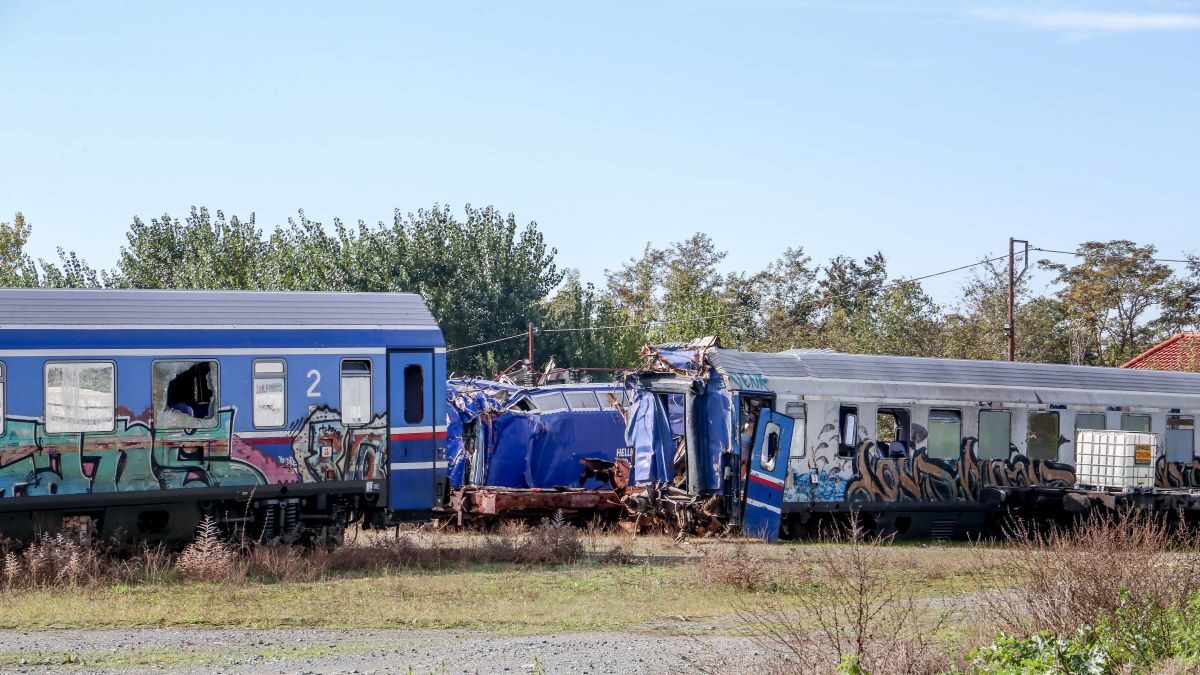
(531, 344)
(1013, 277)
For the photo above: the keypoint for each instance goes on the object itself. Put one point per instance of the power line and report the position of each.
(489, 342)
(1084, 255)
(664, 322)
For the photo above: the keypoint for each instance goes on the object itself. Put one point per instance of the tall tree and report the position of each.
(199, 253)
(1107, 295)
(17, 269)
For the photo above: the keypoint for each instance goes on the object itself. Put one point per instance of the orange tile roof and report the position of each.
(1178, 352)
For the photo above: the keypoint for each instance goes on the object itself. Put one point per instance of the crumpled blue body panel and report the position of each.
(530, 448)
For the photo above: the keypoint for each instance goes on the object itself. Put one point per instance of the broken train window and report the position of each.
(185, 394)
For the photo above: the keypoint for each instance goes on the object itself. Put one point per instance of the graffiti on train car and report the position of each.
(330, 450)
(925, 478)
(1176, 474)
(136, 457)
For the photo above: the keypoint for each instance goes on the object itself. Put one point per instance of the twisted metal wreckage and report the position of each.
(527, 449)
(704, 440)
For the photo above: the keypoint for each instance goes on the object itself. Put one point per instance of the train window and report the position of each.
(1042, 440)
(891, 432)
(799, 415)
(3, 398)
(1181, 438)
(184, 394)
(270, 393)
(770, 447)
(945, 434)
(356, 391)
(80, 397)
(582, 400)
(414, 394)
(848, 430)
(995, 434)
(1094, 421)
(1138, 423)
(550, 401)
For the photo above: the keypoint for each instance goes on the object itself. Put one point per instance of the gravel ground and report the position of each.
(288, 651)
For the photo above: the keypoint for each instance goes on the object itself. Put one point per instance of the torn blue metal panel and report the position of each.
(649, 433)
(532, 437)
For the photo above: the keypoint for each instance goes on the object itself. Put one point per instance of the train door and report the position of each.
(412, 438)
(768, 469)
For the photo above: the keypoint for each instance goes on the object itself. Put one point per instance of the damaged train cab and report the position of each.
(775, 444)
(527, 452)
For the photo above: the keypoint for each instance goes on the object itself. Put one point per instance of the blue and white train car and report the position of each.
(284, 413)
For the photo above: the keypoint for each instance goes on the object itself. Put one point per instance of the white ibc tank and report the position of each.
(1117, 459)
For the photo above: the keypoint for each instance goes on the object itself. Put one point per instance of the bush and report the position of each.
(209, 557)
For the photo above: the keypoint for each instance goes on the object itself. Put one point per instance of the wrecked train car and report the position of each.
(521, 452)
(773, 444)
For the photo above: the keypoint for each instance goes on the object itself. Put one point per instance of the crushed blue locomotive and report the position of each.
(507, 436)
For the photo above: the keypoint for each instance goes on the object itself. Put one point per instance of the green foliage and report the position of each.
(1138, 639)
(1040, 653)
(486, 277)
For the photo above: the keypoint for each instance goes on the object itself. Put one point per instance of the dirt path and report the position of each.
(299, 650)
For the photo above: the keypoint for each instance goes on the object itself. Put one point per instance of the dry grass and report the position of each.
(851, 612)
(1072, 576)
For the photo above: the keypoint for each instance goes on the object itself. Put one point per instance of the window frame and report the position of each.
(1102, 416)
(46, 391)
(420, 370)
(533, 398)
(1167, 437)
(216, 409)
(1029, 433)
(905, 425)
(583, 392)
(766, 461)
(369, 375)
(1149, 422)
(3, 398)
(845, 411)
(254, 376)
(799, 431)
(979, 442)
(929, 430)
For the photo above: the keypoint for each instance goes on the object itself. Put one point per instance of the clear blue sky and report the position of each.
(932, 131)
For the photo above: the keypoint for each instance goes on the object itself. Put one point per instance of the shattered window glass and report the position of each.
(184, 394)
(270, 386)
(356, 391)
(80, 397)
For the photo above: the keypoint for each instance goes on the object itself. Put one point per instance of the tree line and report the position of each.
(485, 276)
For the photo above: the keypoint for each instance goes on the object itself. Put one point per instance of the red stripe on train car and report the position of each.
(417, 435)
(265, 440)
(763, 481)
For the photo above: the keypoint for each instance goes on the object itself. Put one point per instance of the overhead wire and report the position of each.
(1080, 254)
(665, 322)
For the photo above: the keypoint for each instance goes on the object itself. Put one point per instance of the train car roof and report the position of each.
(44, 308)
(903, 378)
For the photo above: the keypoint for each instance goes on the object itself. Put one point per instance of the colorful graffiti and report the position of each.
(137, 457)
(329, 450)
